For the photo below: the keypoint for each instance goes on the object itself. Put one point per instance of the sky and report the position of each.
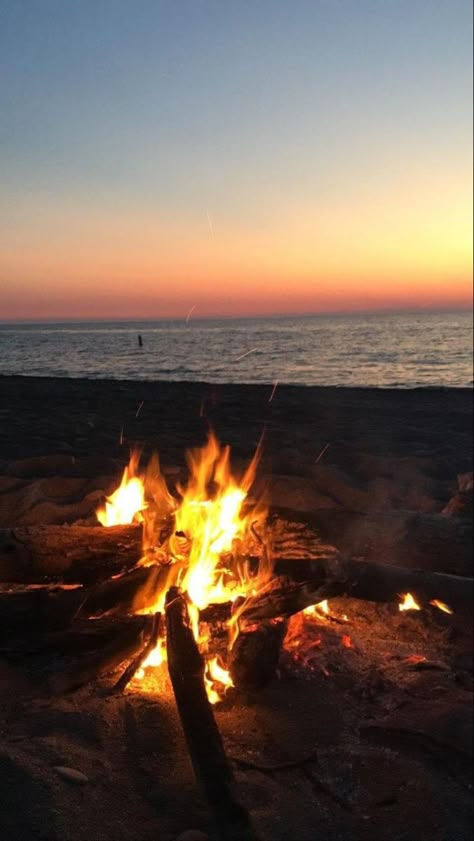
(237, 158)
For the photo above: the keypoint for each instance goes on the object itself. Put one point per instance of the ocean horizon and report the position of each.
(383, 349)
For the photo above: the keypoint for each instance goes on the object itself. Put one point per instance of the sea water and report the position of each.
(398, 350)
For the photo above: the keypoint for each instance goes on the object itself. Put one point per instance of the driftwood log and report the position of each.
(298, 584)
(48, 607)
(206, 749)
(295, 584)
(74, 554)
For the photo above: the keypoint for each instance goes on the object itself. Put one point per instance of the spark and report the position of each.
(121, 436)
(190, 313)
(139, 409)
(209, 222)
(243, 355)
(272, 395)
(322, 453)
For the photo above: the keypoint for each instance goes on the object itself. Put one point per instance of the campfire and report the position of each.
(208, 589)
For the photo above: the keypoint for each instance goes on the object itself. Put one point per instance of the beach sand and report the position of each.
(63, 444)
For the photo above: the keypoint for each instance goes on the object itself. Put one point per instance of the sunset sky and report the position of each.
(241, 158)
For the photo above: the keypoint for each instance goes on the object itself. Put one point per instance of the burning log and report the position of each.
(122, 648)
(133, 591)
(133, 667)
(76, 554)
(213, 772)
(300, 583)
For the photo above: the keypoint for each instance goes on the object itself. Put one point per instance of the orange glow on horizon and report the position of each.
(402, 249)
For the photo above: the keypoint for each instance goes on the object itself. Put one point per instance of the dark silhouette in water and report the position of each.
(140, 341)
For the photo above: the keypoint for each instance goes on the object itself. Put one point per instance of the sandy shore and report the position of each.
(40, 416)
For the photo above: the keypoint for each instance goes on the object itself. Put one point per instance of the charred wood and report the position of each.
(130, 592)
(299, 583)
(212, 769)
(48, 607)
(253, 661)
(89, 668)
(137, 661)
(75, 554)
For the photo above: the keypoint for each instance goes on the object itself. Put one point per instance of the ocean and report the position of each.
(385, 350)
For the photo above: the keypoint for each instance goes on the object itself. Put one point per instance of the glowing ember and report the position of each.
(126, 503)
(441, 606)
(317, 609)
(414, 659)
(346, 641)
(408, 602)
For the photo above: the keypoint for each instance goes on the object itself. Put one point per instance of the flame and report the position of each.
(211, 515)
(126, 503)
(441, 606)
(217, 680)
(408, 602)
(207, 548)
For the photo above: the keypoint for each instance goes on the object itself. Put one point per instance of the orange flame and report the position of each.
(208, 547)
(408, 602)
(126, 503)
(441, 606)
(217, 680)
(211, 515)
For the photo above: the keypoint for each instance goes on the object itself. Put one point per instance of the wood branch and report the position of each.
(130, 592)
(82, 637)
(213, 772)
(88, 668)
(75, 554)
(47, 607)
(399, 538)
(300, 583)
(137, 661)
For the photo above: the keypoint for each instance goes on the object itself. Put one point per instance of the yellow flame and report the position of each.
(441, 606)
(217, 680)
(408, 602)
(211, 515)
(126, 503)
(315, 609)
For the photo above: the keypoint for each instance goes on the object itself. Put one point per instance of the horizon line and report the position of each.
(226, 317)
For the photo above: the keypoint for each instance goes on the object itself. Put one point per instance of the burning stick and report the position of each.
(186, 670)
(111, 656)
(133, 667)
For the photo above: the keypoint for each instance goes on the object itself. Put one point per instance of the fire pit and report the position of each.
(203, 592)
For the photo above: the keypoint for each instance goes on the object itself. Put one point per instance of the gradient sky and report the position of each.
(244, 157)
